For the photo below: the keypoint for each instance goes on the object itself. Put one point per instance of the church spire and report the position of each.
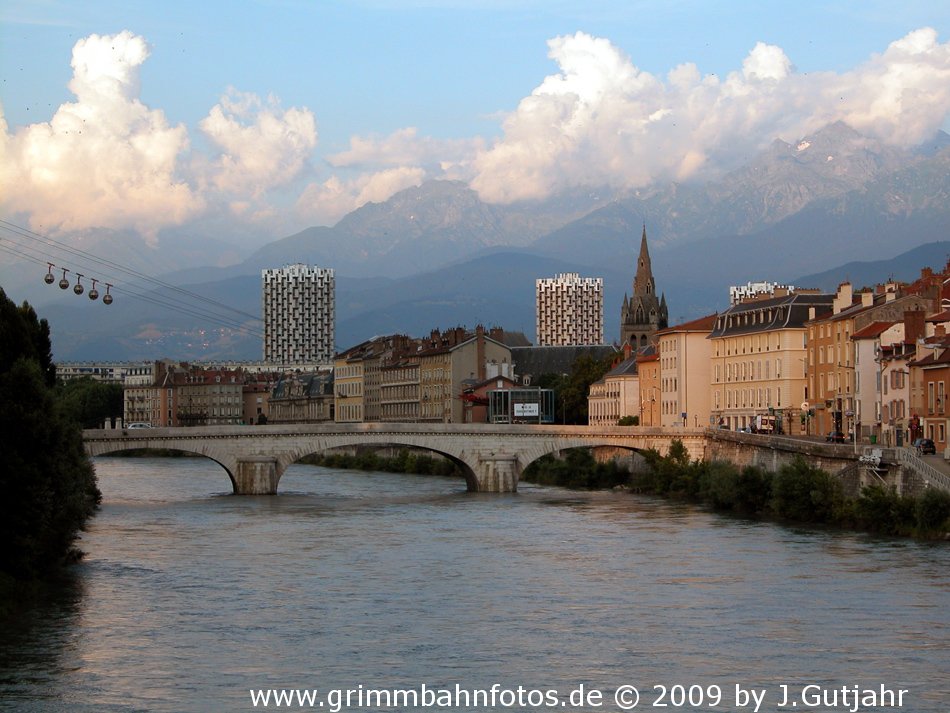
(643, 283)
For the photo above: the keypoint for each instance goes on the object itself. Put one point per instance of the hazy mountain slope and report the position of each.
(420, 229)
(904, 268)
(789, 213)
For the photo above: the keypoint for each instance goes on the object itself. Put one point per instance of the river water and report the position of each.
(190, 597)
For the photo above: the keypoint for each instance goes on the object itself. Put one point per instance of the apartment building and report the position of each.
(930, 387)
(833, 368)
(447, 359)
(758, 356)
(138, 394)
(302, 398)
(570, 310)
(208, 397)
(348, 386)
(868, 347)
(651, 401)
(298, 313)
(616, 395)
(900, 425)
(399, 389)
(168, 394)
(684, 360)
(108, 371)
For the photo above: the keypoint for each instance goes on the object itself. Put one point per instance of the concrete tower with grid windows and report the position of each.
(298, 312)
(570, 310)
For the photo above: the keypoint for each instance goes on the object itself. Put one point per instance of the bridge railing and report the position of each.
(909, 459)
(789, 443)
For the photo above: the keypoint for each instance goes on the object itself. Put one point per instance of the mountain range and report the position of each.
(832, 206)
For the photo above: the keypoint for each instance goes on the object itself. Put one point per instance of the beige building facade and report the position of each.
(615, 396)
(758, 355)
(684, 360)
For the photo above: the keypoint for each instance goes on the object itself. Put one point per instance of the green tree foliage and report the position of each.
(881, 509)
(629, 421)
(570, 391)
(672, 474)
(48, 484)
(932, 512)
(90, 402)
(578, 469)
(803, 493)
(367, 459)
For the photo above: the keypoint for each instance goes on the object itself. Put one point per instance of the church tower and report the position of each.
(642, 315)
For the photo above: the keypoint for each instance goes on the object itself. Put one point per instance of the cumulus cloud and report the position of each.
(405, 147)
(263, 146)
(600, 120)
(108, 160)
(105, 160)
(331, 200)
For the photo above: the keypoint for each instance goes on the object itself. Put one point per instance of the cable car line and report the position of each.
(34, 254)
(95, 259)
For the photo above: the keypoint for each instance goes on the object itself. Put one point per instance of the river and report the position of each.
(189, 598)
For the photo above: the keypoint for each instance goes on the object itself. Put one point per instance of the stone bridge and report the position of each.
(491, 457)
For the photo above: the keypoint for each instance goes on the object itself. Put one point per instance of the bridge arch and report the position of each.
(294, 455)
(193, 447)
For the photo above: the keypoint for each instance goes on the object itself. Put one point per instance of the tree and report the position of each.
(90, 402)
(571, 390)
(48, 483)
(804, 493)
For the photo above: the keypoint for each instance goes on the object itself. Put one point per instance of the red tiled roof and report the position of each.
(874, 329)
(703, 324)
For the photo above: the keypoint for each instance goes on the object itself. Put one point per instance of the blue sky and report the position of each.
(292, 113)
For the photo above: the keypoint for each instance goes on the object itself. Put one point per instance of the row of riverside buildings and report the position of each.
(871, 363)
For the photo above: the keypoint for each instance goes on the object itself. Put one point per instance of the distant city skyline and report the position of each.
(275, 116)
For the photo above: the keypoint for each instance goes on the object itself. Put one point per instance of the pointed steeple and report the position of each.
(643, 283)
(643, 313)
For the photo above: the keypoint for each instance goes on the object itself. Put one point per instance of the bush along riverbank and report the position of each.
(403, 462)
(798, 493)
(578, 470)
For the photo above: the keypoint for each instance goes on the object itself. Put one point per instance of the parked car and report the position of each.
(835, 437)
(925, 446)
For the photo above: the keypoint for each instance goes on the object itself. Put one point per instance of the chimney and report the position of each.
(940, 331)
(843, 298)
(627, 350)
(867, 299)
(914, 325)
(480, 352)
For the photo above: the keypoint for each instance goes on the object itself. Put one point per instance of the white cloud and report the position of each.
(329, 201)
(404, 148)
(262, 145)
(105, 160)
(600, 120)
(108, 160)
